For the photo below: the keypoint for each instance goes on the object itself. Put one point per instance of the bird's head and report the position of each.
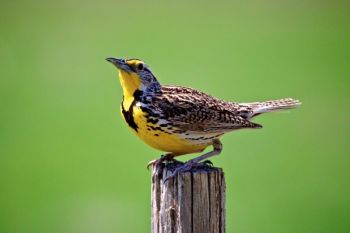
(134, 75)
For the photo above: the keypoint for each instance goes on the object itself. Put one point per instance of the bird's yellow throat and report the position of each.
(130, 82)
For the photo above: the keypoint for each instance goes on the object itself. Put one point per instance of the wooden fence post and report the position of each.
(191, 202)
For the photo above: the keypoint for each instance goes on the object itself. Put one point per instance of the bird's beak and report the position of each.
(119, 63)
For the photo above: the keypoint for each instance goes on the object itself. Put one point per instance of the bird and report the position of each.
(181, 120)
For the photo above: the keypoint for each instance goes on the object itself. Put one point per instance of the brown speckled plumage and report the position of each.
(190, 110)
(182, 120)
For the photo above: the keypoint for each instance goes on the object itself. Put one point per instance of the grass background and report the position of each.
(69, 164)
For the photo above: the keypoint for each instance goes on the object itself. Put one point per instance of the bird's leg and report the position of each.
(163, 158)
(217, 148)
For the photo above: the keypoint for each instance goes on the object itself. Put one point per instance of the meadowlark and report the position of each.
(181, 120)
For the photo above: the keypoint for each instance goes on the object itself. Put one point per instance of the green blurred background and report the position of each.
(68, 163)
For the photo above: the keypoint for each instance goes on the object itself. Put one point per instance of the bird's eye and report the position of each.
(140, 66)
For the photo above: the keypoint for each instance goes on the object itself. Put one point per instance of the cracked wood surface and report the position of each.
(191, 202)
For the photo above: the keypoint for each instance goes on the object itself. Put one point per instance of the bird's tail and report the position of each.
(272, 105)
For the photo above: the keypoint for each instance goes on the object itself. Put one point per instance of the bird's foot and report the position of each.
(154, 163)
(157, 162)
(188, 166)
(207, 162)
(182, 168)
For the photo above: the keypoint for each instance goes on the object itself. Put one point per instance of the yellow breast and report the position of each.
(159, 139)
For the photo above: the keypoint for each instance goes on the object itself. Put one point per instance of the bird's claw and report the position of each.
(184, 167)
(188, 166)
(154, 163)
(157, 162)
(208, 162)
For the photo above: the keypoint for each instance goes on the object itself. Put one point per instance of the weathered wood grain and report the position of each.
(191, 202)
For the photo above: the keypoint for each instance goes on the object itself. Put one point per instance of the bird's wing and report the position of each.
(191, 110)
